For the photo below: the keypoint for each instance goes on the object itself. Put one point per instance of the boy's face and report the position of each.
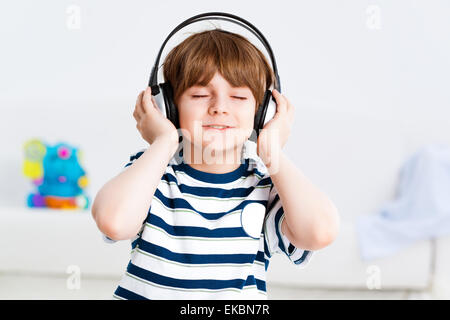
(218, 103)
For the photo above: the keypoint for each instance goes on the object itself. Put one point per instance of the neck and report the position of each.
(213, 161)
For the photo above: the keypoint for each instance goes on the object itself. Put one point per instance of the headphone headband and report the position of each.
(153, 82)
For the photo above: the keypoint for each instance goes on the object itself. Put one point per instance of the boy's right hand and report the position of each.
(150, 121)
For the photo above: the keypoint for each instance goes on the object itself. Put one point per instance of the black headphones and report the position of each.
(163, 93)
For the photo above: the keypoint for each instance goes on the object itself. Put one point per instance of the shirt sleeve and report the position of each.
(275, 240)
(133, 158)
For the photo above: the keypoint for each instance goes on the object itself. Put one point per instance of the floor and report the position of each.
(30, 287)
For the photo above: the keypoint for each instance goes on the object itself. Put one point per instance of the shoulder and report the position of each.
(257, 169)
(256, 165)
(258, 177)
(133, 157)
(139, 152)
(176, 159)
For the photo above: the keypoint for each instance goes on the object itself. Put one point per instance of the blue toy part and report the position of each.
(57, 174)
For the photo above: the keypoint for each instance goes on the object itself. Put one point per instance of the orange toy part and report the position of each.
(61, 203)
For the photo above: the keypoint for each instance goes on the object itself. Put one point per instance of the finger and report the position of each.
(281, 103)
(138, 109)
(147, 104)
(136, 115)
(139, 97)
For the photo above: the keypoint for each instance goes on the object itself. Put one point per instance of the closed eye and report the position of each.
(197, 96)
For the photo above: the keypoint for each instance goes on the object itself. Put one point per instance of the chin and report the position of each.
(216, 148)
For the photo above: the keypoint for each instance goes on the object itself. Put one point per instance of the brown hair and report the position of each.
(195, 61)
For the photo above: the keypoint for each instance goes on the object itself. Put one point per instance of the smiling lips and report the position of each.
(220, 127)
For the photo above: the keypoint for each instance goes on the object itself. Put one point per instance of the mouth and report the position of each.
(217, 127)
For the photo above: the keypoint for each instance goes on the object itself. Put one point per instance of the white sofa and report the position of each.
(354, 158)
(47, 241)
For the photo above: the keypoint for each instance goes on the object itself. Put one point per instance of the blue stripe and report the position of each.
(127, 294)
(214, 192)
(255, 171)
(168, 177)
(278, 216)
(272, 204)
(264, 182)
(261, 285)
(180, 203)
(266, 248)
(303, 257)
(136, 156)
(260, 256)
(134, 243)
(187, 231)
(189, 258)
(291, 248)
(189, 284)
(241, 171)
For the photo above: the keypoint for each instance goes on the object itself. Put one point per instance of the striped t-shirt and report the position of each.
(208, 236)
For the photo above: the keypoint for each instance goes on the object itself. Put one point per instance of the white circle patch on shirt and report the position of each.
(252, 218)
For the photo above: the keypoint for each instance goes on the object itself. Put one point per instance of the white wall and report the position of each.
(366, 94)
(80, 85)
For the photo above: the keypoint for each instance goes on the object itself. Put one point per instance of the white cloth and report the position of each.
(420, 211)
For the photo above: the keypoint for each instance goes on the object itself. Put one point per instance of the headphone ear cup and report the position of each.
(271, 109)
(159, 99)
(260, 115)
(171, 109)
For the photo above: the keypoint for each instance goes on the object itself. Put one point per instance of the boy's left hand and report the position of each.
(275, 133)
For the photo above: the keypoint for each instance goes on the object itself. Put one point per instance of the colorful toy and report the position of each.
(57, 174)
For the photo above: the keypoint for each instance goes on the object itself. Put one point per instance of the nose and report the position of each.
(218, 106)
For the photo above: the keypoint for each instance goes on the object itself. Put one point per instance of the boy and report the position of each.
(205, 228)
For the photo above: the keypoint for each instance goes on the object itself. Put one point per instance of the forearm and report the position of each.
(121, 205)
(310, 216)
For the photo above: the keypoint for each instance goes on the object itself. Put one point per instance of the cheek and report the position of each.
(191, 126)
(246, 124)
(187, 116)
(247, 120)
